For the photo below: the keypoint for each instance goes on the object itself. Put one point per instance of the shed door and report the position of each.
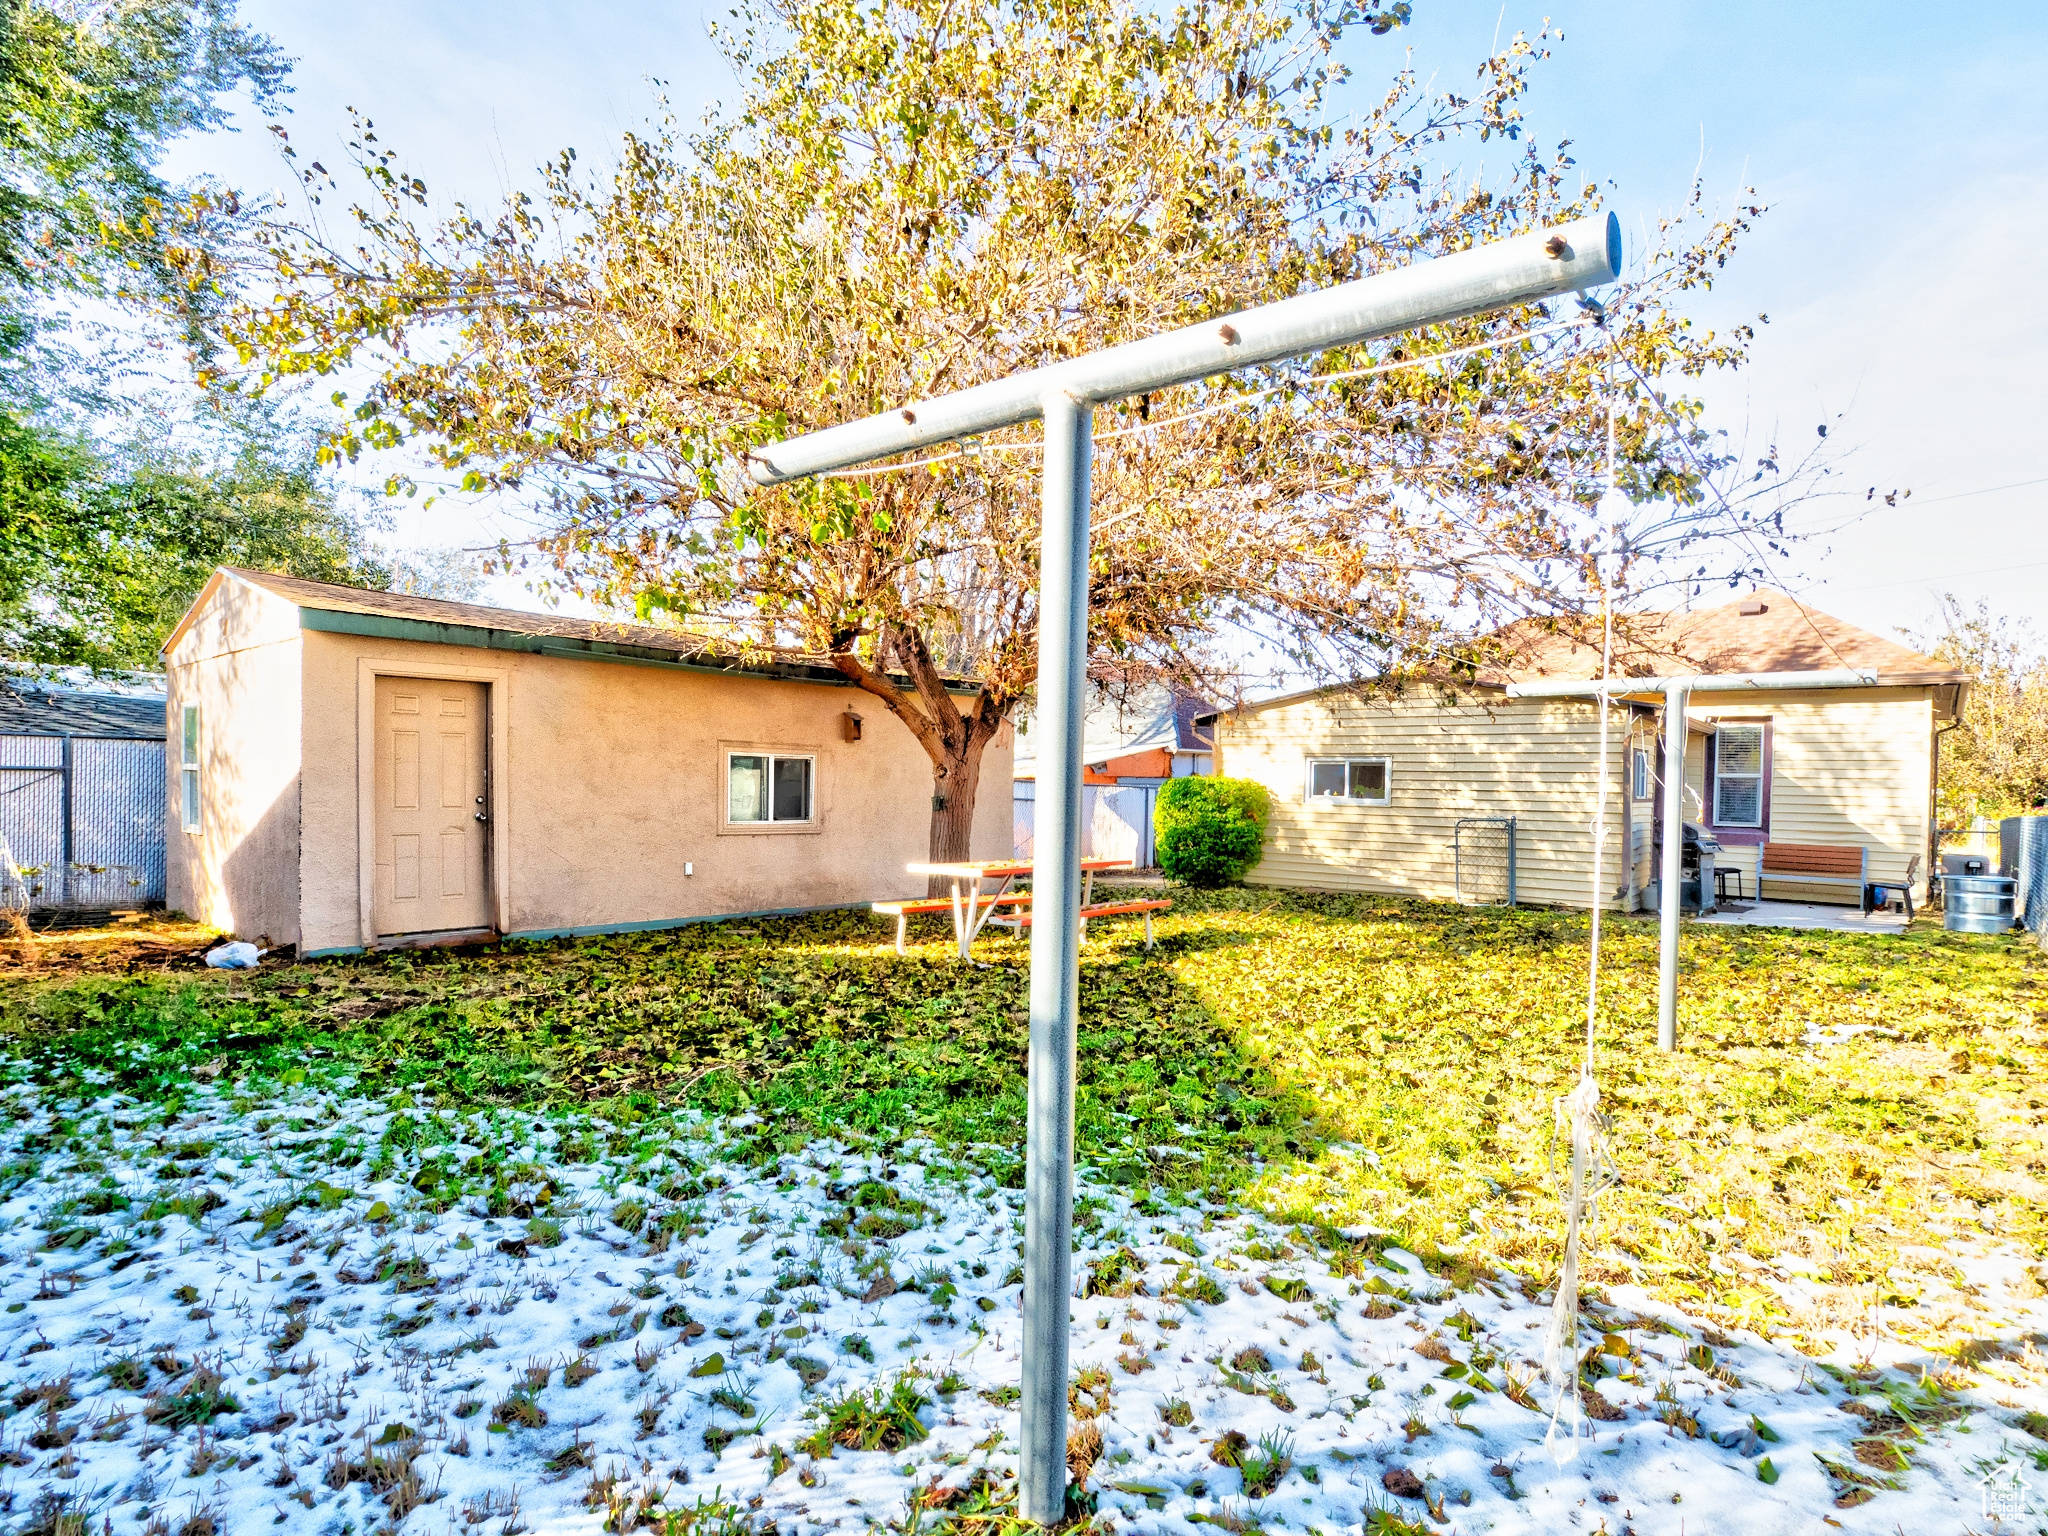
(430, 802)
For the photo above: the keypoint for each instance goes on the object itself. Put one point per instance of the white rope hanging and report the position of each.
(1577, 1115)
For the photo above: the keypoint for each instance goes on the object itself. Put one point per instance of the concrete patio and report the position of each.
(1803, 914)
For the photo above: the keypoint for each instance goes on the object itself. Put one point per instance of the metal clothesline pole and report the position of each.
(1567, 259)
(1055, 961)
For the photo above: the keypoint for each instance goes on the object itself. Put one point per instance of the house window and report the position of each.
(188, 768)
(1639, 775)
(1347, 780)
(761, 788)
(1739, 776)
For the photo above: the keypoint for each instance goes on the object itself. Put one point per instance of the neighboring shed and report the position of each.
(1370, 787)
(1130, 748)
(81, 797)
(359, 769)
(1154, 735)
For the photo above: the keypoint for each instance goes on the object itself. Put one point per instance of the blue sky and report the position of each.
(1899, 146)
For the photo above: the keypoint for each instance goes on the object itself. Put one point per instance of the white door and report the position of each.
(430, 796)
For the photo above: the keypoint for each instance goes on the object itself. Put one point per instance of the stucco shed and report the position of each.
(353, 769)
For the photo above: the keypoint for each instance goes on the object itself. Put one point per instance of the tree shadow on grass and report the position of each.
(810, 1024)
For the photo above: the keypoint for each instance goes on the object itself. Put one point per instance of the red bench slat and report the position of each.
(1113, 910)
(911, 908)
(1812, 859)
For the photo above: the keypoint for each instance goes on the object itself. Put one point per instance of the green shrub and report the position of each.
(1209, 831)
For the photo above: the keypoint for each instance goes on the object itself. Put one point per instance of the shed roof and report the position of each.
(435, 620)
(1157, 719)
(332, 597)
(36, 709)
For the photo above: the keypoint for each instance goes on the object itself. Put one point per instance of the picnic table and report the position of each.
(980, 890)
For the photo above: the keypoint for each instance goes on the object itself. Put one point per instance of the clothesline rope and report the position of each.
(1577, 1113)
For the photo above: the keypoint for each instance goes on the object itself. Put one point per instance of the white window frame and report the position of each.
(1308, 781)
(1762, 729)
(770, 823)
(189, 806)
(1639, 774)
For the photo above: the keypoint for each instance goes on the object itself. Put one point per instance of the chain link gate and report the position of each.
(1483, 860)
(81, 822)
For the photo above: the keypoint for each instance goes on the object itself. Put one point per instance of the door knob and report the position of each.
(480, 816)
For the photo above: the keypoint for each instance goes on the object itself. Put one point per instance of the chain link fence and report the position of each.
(81, 822)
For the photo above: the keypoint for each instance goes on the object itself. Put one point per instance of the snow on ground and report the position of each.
(290, 1349)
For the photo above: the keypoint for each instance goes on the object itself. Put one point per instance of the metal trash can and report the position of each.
(1978, 903)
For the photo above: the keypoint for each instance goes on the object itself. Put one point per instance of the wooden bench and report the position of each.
(1022, 920)
(903, 911)
(1816, 864)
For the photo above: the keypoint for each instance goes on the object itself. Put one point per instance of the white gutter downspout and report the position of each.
(1676, 691)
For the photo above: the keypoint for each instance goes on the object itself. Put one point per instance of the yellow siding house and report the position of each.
(1370, 785)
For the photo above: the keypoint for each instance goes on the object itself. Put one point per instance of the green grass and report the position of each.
(814, 1025)
(1269, 1044)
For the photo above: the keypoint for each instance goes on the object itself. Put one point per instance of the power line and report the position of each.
(1905, 505)
(1907, 581)
(1928, 501)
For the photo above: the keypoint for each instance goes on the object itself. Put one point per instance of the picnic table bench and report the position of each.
(904, 911)
(973, 907)
(1022, 920)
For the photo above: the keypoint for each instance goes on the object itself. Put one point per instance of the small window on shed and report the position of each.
(1639, 775)
(188, 768)
(764, 788)
(1347, 780)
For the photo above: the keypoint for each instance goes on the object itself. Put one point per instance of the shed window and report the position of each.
(1347, 780)
(1639, 775)
(1739, 776)
(188, 768)
(762, 788)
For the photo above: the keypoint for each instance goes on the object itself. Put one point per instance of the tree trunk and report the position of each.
(956, 782)
(952, 738)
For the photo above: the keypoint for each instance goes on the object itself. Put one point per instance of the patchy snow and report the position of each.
(346, 1321)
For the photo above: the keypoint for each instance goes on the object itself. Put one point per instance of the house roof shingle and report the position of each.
(35, 709)
(1778, 634)
(1767, 631)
